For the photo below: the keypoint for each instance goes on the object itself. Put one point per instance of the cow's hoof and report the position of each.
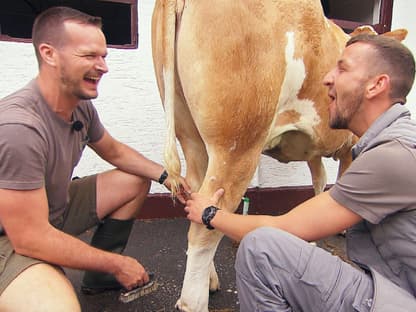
(181, 307)
(214, 282)
(214, 287)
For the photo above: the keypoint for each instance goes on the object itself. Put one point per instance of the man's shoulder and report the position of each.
(27, 92)
(389, 159)
(20, 107)
(392, 150)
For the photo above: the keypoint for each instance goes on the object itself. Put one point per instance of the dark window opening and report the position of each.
(353, 13)
(120, 24)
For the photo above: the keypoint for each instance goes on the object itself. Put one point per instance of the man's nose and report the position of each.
(328, 78)
(101, 65)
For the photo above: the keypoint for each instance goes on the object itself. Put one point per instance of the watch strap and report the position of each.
(163, 177)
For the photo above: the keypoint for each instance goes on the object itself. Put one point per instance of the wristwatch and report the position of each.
(163, 177)
(208, 215)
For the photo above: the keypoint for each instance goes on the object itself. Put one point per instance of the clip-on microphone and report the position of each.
(77, 125)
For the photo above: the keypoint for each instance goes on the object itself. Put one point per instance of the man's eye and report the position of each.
(89, 56)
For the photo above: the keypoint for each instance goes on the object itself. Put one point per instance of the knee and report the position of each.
(250, 245)
(258, 245)
(260, 236)
(142, 186)
(139, 187)
(40, 281)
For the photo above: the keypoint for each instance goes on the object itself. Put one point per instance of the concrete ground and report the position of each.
(160, 245)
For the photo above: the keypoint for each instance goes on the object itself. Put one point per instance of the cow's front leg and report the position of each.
(200, 275)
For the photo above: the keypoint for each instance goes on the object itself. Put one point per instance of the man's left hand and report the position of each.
(196, 204)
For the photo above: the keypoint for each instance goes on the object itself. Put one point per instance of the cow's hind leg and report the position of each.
(318, 174)
(214, 282)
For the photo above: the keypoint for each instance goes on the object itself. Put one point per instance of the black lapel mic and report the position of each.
(77, 125)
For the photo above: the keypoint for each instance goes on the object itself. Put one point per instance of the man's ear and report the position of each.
(378, 85)
(48, 54)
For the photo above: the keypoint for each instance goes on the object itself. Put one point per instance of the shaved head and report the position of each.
(49, 26)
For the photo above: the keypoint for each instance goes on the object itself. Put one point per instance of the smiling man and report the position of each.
(44, 128)
(276, 269)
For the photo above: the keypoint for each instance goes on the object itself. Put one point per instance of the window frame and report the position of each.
(384, 25)
(385, 18)
(134, 32)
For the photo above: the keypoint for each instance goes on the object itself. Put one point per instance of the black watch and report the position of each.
(163, 177)
(208, 215)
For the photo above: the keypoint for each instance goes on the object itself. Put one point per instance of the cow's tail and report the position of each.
(171, 156)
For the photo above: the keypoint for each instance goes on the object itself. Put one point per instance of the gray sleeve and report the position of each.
(379, 182)
(23, 157)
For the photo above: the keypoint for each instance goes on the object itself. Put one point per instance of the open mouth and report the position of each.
(92, 79)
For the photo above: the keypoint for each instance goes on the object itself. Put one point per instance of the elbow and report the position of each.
(26, 245)
(22, 249)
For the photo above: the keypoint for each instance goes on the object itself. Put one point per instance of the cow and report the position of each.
(238, 79)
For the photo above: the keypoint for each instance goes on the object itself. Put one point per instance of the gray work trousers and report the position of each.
(277, 271)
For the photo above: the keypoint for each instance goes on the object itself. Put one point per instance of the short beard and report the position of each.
(82, 96)
(343, 118)
(72, 85)
(339, 122)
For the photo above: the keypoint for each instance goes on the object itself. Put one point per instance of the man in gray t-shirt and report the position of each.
(374, 200)
(44, 128)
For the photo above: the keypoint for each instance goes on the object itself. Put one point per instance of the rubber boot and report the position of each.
(111, 235)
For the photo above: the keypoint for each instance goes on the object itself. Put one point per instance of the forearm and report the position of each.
(133, 162)
(31, 234)
(126, 158)
(236, 226)
(314, 219)
(59, 248)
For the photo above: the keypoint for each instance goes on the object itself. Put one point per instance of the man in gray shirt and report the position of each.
(276, 269)
(44, 128)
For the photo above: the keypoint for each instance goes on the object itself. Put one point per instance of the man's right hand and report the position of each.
(130, 273)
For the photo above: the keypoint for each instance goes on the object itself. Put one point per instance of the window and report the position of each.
(119, 18)
(353, 13)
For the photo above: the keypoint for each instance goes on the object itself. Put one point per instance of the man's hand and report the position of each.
(196, 204)
(131, 273)
(184, 188)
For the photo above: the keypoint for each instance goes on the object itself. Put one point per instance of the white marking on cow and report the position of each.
(292, 83)
(288, 100)
(234, 146)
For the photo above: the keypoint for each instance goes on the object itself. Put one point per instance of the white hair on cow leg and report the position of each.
(198, 274)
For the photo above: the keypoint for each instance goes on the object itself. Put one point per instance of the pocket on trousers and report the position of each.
(319, 275)
(6, 251)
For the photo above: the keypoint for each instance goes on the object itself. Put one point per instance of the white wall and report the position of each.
(129, 103)
(403, 18)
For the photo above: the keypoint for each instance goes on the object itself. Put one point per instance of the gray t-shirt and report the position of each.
(40, 149)
(380, 186)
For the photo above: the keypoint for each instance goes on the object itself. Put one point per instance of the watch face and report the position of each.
(207, 211)
(207, 216)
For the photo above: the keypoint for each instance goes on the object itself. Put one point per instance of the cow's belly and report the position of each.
(292, 145)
